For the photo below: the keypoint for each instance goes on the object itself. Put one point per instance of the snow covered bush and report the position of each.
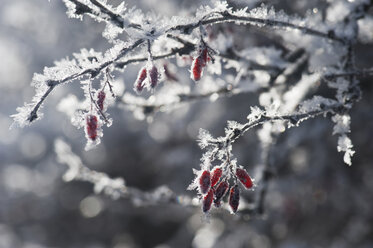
(206, 54)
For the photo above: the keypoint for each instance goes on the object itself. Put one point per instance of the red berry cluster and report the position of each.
(199, 63)
(91, 126)
(214, 191)
(152, 75)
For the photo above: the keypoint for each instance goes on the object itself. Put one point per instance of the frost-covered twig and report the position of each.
(151, 106)
(226, 16)
(291, 119)
(78, 8)
(115, 188)
(189, 47)
(30, 112)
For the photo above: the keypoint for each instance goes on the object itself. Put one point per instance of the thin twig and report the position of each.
(93, 72)
(227, 17)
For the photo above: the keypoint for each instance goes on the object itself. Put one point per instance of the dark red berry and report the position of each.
(220, 191)
(244, 177)
(216, 174)
(204, 182)
(100, 99)
(91, 127)
(153, 73)
(234, 198)
(197, 69)
(207, 201)
(139, 84)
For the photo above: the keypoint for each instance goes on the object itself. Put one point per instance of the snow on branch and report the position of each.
(116, 188)
(258, 117)
(69, 70)
(310, 51)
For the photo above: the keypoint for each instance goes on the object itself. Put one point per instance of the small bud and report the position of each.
(244, 177)
(216, 174)
(204, 182)
(220, 192)
(207, 201)
(153, 73)
(139, 84)
(91, 127)
(197, 69)
(100, 100)
(234, 198)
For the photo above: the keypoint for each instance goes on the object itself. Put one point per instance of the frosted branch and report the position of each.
(291, 119)
(32, 114)
(116, 187)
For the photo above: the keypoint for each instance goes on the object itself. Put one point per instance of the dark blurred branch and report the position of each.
(359, 73)
(149, 108)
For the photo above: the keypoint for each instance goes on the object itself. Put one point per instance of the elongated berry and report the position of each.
(204, 182)
(244, 177)
(100, 99)
(220, 192)
(234, 198)
(197, 69)
(91, 127)
(207, 201)
(153, 73)
(139, 84)
(216, 174)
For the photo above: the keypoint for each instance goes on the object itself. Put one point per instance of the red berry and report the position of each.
(91, 127)
(220, 191)
(100, 99)
(244, 177)
(207, 201)
(204, 182)
(153, 73)
(139, 84)
(197, 69)
(234, 198)
(216, 174)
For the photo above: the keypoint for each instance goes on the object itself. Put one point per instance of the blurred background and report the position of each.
(315, 200)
